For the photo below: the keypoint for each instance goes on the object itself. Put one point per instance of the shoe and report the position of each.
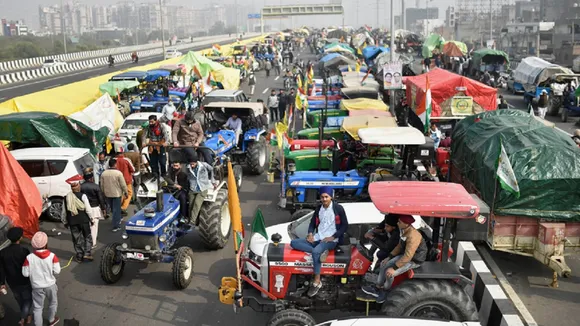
(78, 260)
(124, 212)
(371, 290)
(29, 319)
(382, 297)
(116, 229)
(314, 288)
(88, 257)
(324, 256)
(94, 247)
(54, 322)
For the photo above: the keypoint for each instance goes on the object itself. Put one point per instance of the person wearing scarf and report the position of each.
(78, 218)
(157, 137)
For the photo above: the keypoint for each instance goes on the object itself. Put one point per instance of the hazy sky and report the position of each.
(28, 9)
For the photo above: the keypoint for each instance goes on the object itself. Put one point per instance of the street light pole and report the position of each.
(162, 29)
(392, 53)
(490, 20)
(63, 24)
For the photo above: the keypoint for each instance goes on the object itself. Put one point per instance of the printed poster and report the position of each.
(393, 75)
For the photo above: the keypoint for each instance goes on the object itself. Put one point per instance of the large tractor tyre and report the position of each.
(291, 317)
(238, 175)
(214, 222)
(183, 268)
(300, 213)
(112, 264)
(257, 156)
(554, 104)
(564, 115)
(430, 299)
(56, 209)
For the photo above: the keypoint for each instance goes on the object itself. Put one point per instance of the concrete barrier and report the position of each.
(495, 308)
(25, 75)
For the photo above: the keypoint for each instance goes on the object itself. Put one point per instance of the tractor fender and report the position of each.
(253, 134)
(212, 194)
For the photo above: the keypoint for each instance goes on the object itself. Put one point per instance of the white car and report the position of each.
(172, 53)
(50, 167)
(133, 123)
(361, 218)
(49, 63)
(383, 321)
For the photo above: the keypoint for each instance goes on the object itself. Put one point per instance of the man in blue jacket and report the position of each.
(327, 227)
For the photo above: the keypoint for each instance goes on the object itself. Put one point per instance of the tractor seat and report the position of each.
(437, 270)
(342, 254)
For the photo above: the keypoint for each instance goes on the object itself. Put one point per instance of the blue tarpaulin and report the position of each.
(371, 52)
(152, 75)
(329, 57)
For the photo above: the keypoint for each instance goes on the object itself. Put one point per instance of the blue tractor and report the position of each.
(151, 234)
(149, 102)
(414, 150)
(251, 149)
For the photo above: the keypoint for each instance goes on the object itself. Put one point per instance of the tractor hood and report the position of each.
(140, 223)
(257, 241)
(220, 141)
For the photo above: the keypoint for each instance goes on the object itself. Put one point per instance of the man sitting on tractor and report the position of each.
(408, 254)
(330, 223)
(234, 124)
(200, 176)
(177, 180)
(388, 235)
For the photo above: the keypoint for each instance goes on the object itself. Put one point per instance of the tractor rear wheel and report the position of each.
(299, 213)
(430, 299)
(238, 175)
(112, 264)
(214, 222)
(257, 156)
(183, 268)
(291, 317)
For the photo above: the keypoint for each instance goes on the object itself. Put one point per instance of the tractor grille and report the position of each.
(138, 241)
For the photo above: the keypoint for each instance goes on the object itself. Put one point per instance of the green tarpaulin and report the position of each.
(495, 56)
(546, 163)
(203, 64)
(50, 129)
(117, 86)
(434, 41)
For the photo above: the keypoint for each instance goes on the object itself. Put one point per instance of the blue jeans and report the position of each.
(23, 295)
(115, 204)
(387, 282)
(316, 249)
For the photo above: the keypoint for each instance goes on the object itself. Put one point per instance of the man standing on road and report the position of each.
(11, 261)
(329, 221)
(97, 201)
(273, 106)
(200, 177)
(268, 67)
(543, 104)
(114, 188)
(126, 167)
(188, 132)
(100, 166)
(78, 219)
(158, 136)
(277, 65)
(252, 82)
(282, 105)
(410, 253)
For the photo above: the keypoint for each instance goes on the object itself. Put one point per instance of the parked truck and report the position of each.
(542, 220)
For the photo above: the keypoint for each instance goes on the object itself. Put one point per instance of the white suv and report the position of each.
(50, 167)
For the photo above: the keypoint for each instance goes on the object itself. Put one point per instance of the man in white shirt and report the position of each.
(435, 134)
(234, 124)
(168, 111)
(330, 223)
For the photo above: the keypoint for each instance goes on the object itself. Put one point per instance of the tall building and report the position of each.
(13, 28)
(50, 19)
(102, 16)
(417, 15)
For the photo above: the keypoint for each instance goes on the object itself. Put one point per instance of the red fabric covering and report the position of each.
(20, 198)
(443, 87)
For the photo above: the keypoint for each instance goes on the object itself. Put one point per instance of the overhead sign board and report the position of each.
(254, 16)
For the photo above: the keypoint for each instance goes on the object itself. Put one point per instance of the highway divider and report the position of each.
(20, 76)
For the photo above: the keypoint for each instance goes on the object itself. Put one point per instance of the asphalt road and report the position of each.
(19, 89)
(145, 295)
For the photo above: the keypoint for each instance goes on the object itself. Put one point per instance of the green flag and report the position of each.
(258, 225)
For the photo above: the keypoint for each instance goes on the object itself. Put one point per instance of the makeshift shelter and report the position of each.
(489, 56)
(454, 49)
(363, 104)
(228, 77)
(433, 43)
(544, 161)
(451, 93)
(114, 88)
(20, 199)
(533, 71)
(371, 52)
(50, 129)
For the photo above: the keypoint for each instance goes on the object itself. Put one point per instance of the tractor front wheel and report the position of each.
(215, 222)
(257, 156)
(183, 268)
(112, 264)
(291, 317)
(430, 299)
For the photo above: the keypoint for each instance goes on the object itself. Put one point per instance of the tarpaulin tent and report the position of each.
(545, 163)
(371, 52)
(454, 49)
(113, 88)
(20, 198)
(342, 45)
(532, 71)
(228, 77)
(101, 113)
(489, 56)
(444, 86)
(432, 43)
(50, 129)
(363, 104)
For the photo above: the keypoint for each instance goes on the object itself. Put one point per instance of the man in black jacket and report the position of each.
(387, 236)
(177, 180)
(282, 105)
(330, 223)
(78, 219)
(96, 199)
(11, 262)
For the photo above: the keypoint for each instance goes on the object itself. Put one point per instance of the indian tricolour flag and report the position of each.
(505, 173)
(424, 109)
(259, 226)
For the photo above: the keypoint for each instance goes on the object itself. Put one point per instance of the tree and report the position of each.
(218, 28)
(27, 50)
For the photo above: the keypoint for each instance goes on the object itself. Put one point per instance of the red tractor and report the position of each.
(435, 290)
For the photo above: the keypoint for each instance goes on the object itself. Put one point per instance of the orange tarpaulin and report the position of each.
(450, 49)
(20, 198)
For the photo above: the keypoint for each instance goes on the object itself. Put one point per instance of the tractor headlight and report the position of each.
(125, 236)
(162, 238)
(147, 247)
(125, 246)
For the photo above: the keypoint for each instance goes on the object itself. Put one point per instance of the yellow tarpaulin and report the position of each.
(363, 104)
(74, 97)
(351, 125)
